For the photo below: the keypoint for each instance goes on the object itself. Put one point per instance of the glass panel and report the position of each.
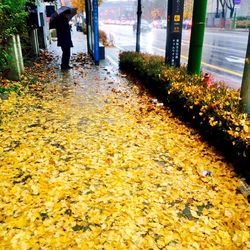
(225, 38)
(225, 44)
(116, 19)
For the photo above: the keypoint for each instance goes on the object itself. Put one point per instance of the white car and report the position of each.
(145, 26)
(164, 24)
(157, 24)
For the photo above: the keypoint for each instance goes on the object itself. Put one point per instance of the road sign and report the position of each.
(174, 32)
(177, 18)
(236, 2)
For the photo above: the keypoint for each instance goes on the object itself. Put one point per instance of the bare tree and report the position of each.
(154, 8)
(231, 6)
(223, 6)
(217, 9)
(223, 13)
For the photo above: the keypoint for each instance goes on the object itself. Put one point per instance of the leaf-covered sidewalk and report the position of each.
(90, 161)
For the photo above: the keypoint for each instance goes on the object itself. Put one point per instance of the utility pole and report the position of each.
(87, 9)
(245, 86)
(197, 36)
(138, 28)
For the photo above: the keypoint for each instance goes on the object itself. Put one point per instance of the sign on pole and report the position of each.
(174, 32)
(236, 2)
(138, 27)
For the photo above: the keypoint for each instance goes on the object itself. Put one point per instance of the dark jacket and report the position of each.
(63, 32)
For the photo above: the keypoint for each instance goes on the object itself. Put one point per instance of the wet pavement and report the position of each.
(223, 51)
(92, 161)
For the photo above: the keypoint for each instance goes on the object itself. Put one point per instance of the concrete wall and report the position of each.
(243, 10)
(211, 6)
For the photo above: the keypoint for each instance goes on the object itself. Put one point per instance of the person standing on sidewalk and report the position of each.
(64, 38)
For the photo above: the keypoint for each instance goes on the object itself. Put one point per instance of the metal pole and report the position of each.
(96, 32)
(234, 20)
(245, 86)
(197, 36)
(138, 28)
(168, 33)
(87, 9)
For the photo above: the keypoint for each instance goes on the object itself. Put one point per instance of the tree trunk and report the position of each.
(222, 21)
(231, 13)
(223, 13)
(230, 5)
(222, 3)
(217, 9)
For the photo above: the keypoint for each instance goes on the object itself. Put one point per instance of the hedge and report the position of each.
(12, 21)
(243, 24)
(215, 109)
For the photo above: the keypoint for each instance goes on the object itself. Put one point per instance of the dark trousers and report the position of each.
(65, 56)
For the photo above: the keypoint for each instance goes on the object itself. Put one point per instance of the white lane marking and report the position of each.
(162, 50)
(120, 48)
(207, 64)
(216, 47)
(210, 65)
(112, 61)
(235, 59)
(230, 34)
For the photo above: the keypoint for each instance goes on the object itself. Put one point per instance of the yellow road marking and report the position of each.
(218, 68)
(211, 66)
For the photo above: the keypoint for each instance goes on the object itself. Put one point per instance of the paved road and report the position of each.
(223, 53)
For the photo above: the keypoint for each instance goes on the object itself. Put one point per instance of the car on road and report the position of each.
(157, 24)
(187, 24)
(79, 26)
(164, 24)
(145, 26)
(80, 23)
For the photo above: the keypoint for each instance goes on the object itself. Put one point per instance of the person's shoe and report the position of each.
(66, 67)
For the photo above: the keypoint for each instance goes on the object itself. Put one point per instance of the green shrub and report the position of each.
(242, 18)
(216, 109)
(12, 17)
(4, 57)
(243, 24)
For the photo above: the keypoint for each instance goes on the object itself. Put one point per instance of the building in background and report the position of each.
(65, 2)
(122, 10)
(214, 12)
(38, 28)
(244, 8)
